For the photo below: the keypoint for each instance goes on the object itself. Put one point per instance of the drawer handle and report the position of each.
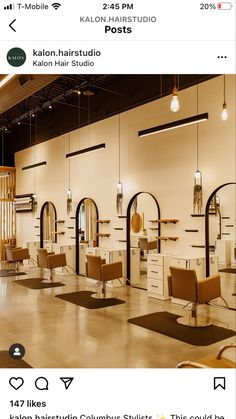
(154, 272)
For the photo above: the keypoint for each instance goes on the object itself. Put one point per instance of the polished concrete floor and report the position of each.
(56, 333)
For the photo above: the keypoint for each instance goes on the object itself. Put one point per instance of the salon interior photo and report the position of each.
(118, 221)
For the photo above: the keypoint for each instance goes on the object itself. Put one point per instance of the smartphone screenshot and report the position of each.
(117, 209)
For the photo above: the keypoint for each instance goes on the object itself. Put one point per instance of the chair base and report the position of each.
(194, 321)
(101, 296)
(48, 281)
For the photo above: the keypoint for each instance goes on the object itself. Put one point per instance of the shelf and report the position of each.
(165, 221)
(199, 246)
(153, 228)
(73, 238)
(60, 233)
(197, 215)
(59, 221)
(167, 238)
(191, 231)
(38, 226)
(122, 216)
(122, 241)
(72, 218)
(71, 228)
(225, 218)
(118, 228)
(103, 221)
(102, 235)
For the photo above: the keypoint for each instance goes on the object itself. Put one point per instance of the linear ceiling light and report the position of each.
(172, 125)
(85, 150)
(6, 79)
(32, 166)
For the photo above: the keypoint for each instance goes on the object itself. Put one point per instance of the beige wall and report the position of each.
(162, 164)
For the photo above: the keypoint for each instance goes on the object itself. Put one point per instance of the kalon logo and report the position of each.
(16, 57)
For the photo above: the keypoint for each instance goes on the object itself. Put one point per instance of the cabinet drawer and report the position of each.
(155, 259)
(155, 286)
(155, 271)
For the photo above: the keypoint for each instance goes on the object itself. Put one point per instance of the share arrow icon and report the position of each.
(67, 381)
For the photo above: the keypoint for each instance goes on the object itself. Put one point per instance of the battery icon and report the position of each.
(225, 5)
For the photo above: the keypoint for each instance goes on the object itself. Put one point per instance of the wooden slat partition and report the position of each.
(7, 212)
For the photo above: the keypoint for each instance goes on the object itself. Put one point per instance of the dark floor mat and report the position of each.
(7, 362)
(228, 270)
(84, 299)
(7, 272)
(37, 284)
(165, 323)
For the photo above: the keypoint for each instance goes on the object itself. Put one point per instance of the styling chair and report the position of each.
(144, 244)
(212, 361)
(16, 255)
(98, 269)
(50, 260)
(183, 284)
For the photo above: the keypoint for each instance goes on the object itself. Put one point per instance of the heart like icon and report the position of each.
(16, 382)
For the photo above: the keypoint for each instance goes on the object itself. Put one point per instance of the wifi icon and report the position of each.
(56, 5)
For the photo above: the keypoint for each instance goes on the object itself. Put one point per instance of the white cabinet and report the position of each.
(112, 256)
(190, 263)
(214, 265)
(95, 251)
(82, 258)
(223, 250)
(134, 265)
(157, 273)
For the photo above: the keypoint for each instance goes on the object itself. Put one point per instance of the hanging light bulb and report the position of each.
(174, 106)
(69, 195)
(198, 177)
(224, 112)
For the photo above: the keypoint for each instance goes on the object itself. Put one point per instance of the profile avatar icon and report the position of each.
(16, 351)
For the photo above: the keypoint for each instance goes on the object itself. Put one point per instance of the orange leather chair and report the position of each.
(16, 255)
(96, 268)
(50, 260)
(215, 361)
(183, 284)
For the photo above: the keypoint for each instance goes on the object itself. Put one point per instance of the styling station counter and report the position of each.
(158, 269)
(111, 256)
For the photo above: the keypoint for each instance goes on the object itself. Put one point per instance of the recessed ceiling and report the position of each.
(63, 103)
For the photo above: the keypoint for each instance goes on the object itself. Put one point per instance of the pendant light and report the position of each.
(35, 198)
(119, 186)
(224, 112)
(197, 188)
(69, 192)
(174, 106)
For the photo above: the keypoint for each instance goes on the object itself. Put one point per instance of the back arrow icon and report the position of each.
(10, 25)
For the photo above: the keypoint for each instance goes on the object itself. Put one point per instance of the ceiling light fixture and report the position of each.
(175, 124)
(32, 166)
(85, 150)
(6, 79)
(174, 106)
(224, 112)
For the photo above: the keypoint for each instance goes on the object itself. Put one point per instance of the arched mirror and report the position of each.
(48, 216)
(143, 231)
(220, 238)
(86, 231)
